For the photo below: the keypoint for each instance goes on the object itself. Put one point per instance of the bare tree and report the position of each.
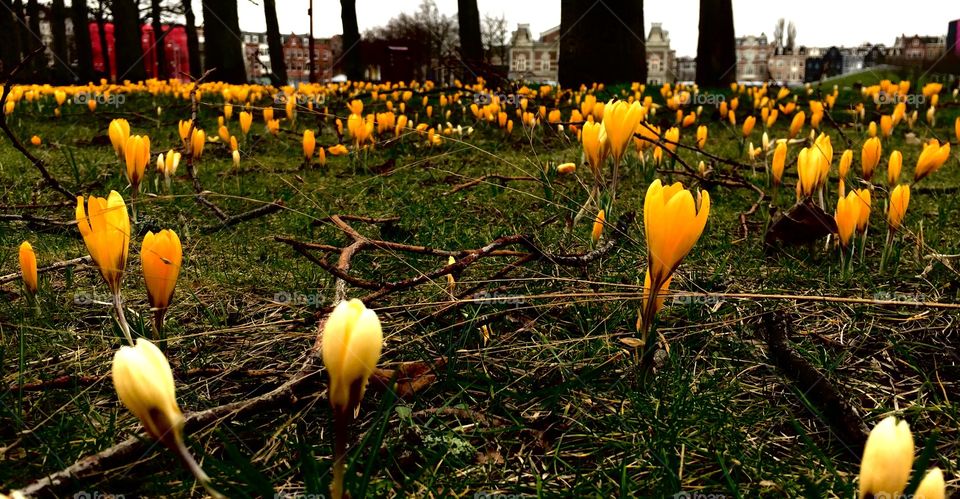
(58, 28)
(716, 47)
(223, 46)
(429, 37)
(791, 36)
(126, 41)
(493, 32)
(468, 20)
(9, 41)
(275, 43)
(81, 38)
(159, 35)
(353, 64)
(442, 29)
(778, 33)
(101, 17)
(193, 41)
(603, 41)
(40, 65)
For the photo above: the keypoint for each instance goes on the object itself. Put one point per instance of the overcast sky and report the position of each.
(819, 22)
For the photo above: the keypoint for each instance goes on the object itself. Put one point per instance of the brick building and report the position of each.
(534, 60)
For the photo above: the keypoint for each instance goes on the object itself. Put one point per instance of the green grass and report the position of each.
(551, 403)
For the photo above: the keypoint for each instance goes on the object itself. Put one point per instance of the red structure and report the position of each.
(177, 60)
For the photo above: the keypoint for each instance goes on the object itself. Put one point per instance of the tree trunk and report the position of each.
(602, 42)
(352, 62)
(193, 42)
(277, 65)
(126, 41)
(716, 47)
(223, 47)
(9, 37)
(102, 34)
(468, 18)
(40, 63)
(22, 33)
(62, 70)
(160, 45)
(81, 38)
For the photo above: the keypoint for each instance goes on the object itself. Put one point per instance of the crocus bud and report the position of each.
(620, 120)
(894, 164)
(870, 156)
(779, 161)
(566, 168)
(161, 255)
(119, 131)
(865, 202)
(351, 344)
(598, 227)
(846, 159)
(144, 383)
(847, 216)
(137, 155)
(246, 119)
(932, 486)
(451, 281)
(197, 140)
(309, 144)
(887, 459)
(28, 267)
(899, 200)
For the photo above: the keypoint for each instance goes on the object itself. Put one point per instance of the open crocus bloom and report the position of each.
(620, 120)
(673, 222)
(105, 227)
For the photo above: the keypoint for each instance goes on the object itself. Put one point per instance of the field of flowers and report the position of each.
(395, 289)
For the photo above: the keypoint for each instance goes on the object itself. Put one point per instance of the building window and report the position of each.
(545, 62)
(520, 63)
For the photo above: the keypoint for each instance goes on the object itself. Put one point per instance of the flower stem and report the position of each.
(886, 250)
(121, 318)
(341, 432)
(133, 202)
(191, 464)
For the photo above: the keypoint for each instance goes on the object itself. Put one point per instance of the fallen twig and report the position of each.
(54, 266)
(191, 165)
(485, 178)
(246, 216)
(297, 390)
(463, 258)
(814, 386)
